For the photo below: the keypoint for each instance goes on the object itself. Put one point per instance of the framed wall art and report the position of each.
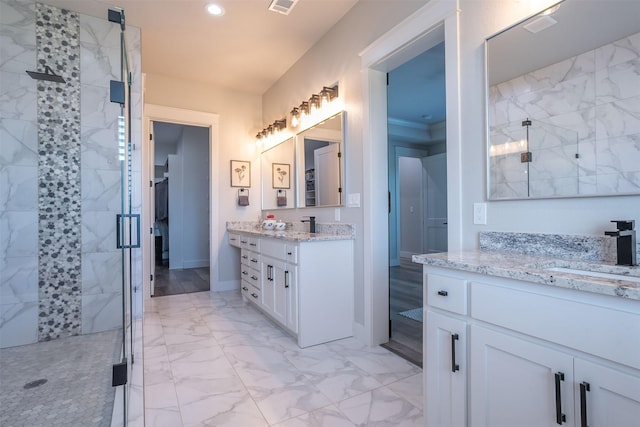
(281, 175)
(240, 173)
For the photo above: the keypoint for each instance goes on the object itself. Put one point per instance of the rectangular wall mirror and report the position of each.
(564, 103)
(278, 176)
(320, 151)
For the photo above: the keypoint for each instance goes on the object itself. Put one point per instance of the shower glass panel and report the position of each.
(68, 231)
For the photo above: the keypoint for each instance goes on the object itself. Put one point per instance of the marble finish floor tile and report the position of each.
(212, 359)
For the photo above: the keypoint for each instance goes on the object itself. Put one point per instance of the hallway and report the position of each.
(212, 359)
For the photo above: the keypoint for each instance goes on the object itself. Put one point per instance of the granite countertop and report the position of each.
(534, 268)
(327, 232)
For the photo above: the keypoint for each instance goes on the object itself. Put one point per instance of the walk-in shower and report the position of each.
(70, 263)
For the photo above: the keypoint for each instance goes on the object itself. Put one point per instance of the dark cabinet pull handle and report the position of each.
(584, 388)
(454, 366)
(244, 272)
(233, 239)
(254, 277)
(289, 253)
(560, 417)
(443, 293)
(243, 241)
(244, 288)
(252, 244)
(244, 257)
(270, 273)
(254, 260)
(286, 279)
(254, 295)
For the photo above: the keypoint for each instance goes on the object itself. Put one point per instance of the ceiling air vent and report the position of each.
(540, 24)
(282, 6)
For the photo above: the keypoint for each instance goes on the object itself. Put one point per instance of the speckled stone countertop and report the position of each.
(326, 231)
(535, 268)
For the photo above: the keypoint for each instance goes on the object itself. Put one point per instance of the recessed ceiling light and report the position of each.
(215, 9)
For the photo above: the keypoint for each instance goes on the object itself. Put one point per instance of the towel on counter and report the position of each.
(281, 200)
(243, 200)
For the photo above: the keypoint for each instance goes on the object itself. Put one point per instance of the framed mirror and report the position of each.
(563, 103)
(277, 176)
(321, 163)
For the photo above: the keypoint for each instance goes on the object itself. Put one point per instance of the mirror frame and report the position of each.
(587, 184)
(300, 162)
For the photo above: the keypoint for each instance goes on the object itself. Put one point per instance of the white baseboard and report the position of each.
(359, 333)
(196, 263)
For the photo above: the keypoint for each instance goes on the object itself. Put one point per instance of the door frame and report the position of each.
(435, 21)
(161, 113)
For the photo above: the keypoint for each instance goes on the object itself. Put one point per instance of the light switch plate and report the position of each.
(353, 200)
(480, 213)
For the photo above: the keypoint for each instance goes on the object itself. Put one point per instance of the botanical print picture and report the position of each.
(240, 173)
(281, 175)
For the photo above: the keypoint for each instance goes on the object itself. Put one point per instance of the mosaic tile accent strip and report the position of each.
(59, 203)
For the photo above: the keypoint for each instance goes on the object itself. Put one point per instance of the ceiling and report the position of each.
(239, 49)
(248, 48)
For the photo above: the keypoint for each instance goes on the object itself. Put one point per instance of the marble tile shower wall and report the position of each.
(600, 102)
(98, 291)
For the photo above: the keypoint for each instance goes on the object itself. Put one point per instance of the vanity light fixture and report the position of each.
(304, 109)
(295, 117)
(314, 103)
(328, 94)
(215, 9)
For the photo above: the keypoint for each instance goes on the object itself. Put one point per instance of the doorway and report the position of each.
(416, 110)
(157, 113)
(181, 208)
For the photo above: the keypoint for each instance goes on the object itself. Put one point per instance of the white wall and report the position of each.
(195, 230)
(411, 202)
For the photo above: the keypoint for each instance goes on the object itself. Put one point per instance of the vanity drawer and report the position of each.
(249, 258)
(250, 275)
(274, 248)
(249, 291)
(586, 326)
(253, 244)
(234, 240)
(447, 293)
(291, 253)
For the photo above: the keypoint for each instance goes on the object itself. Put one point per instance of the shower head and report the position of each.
(48, 75)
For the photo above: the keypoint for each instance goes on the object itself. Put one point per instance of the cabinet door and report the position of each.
(291, 286)
(279, 292)
(445, 371)
(607, 398)
(518, 383)
(268, 293)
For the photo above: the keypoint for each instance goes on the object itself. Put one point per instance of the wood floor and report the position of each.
(174, 282)
(405, 293)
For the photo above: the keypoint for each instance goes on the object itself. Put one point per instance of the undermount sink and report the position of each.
(596, 274)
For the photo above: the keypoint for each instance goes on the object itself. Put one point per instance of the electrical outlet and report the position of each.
(480, 213)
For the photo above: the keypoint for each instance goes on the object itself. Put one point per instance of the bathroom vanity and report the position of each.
(302, 281)
(516, 339)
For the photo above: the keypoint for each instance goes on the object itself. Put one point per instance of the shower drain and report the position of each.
(34, 384)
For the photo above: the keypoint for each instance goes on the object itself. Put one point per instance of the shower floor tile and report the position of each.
(77, 391)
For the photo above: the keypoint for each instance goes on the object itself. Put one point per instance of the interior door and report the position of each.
(435, 175)
(327, 165)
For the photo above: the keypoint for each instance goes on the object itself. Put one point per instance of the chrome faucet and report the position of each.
(625, 242)
(312, 223)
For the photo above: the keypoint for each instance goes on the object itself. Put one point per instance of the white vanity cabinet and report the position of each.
(445, 351)
(306, 286)
(536, 355)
